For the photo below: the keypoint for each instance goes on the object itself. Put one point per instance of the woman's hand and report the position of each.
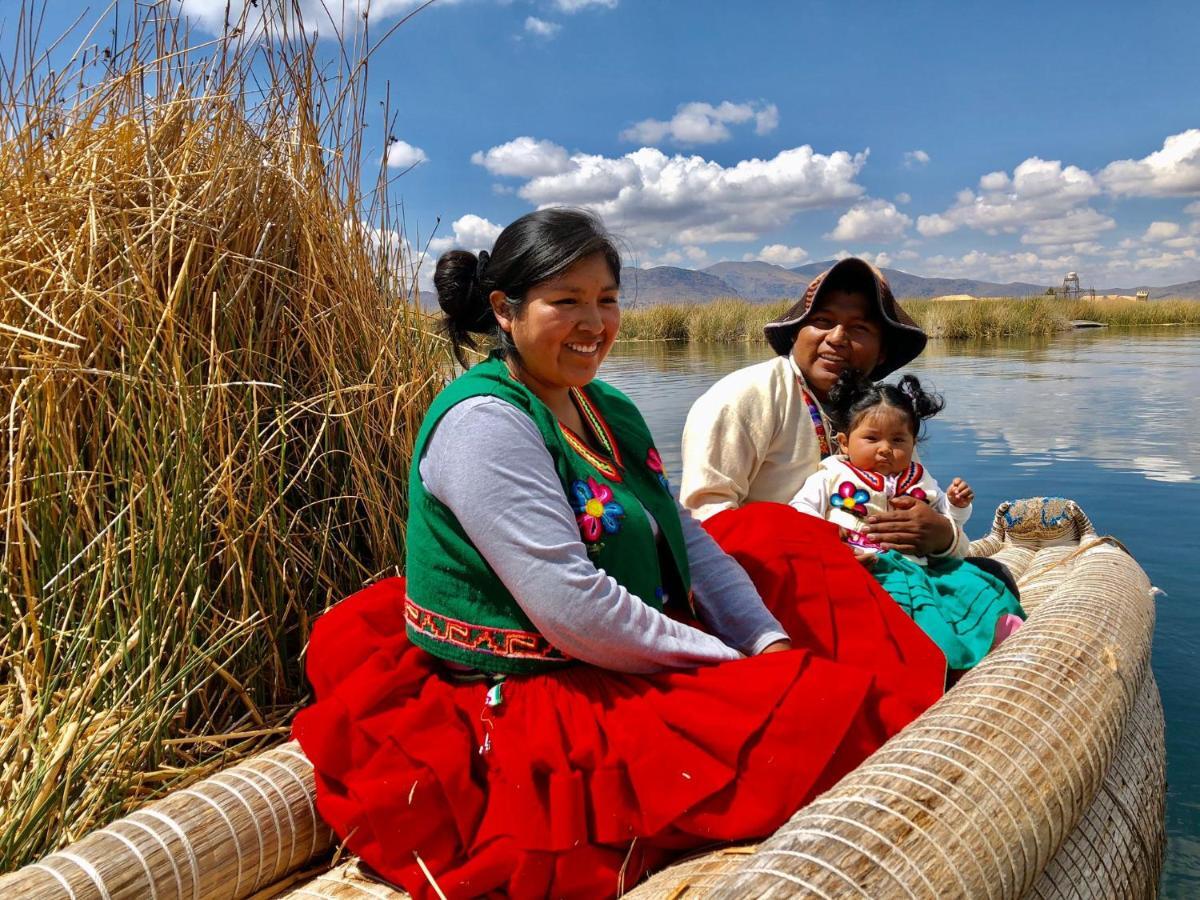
(777, 647)
(912, 526)
(960, 493)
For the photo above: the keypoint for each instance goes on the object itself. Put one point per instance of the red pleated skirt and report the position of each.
(581, 780)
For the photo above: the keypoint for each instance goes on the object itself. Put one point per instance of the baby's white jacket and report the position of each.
(844, 494)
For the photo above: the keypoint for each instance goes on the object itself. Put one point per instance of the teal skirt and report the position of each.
(952, 601)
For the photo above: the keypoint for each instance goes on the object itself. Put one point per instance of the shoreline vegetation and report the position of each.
(733, 319)
(209, 397)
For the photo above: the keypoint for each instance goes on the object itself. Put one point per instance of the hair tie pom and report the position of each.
(484, 256)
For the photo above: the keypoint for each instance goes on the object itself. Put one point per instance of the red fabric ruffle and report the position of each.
(581, 780)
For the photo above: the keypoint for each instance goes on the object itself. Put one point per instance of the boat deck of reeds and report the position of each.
(1040, 774)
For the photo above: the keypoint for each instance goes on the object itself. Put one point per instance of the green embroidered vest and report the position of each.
(458, 609)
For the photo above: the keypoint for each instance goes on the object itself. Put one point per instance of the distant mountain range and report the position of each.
(760, 281)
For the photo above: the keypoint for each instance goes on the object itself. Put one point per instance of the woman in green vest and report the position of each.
(574, 683)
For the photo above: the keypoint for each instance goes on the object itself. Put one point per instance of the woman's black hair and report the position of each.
(534, 248)
(855, 395)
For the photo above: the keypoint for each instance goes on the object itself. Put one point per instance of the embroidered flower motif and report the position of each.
(850, 498)
(655, 464)
(919, 494)
(595, 509)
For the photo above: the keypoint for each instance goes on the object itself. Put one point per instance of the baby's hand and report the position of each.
(959, 493)
(867, 560)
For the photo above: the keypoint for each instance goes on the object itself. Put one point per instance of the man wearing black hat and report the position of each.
(759, 432)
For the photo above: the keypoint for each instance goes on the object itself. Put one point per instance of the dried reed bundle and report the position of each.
(210, 385)
(231, 835)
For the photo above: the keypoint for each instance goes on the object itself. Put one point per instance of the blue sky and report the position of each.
(1002, 141)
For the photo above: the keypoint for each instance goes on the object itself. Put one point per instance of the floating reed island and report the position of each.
(734, 319)
(210, 386)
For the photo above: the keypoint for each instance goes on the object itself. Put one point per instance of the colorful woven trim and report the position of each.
(818, 421)
(915, 473)
(479, 638)
(873, 480)
(609, 466)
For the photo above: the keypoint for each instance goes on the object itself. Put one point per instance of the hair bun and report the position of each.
(461, 297)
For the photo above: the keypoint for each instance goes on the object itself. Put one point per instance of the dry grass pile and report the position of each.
(209, 391)
(973, 319)
(1133, 313)
(725, 319)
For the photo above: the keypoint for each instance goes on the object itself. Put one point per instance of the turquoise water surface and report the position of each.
(1108, 418)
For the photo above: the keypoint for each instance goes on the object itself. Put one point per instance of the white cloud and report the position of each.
(1172, 171)
(915, 158)
(1039, 190)
(1193, 209)
(471, 232)
(874, 220)
(995, 181)
(903, 197)
(647, 194)
(879, 260)
(935, 225)
(524, 157)
(779, 254)
(403, 155)
(1160, 231)
(322, 16)
(1077, 225)
(703, 123)
(690, 255)
(766, 119)
(541, 27)
(573, 6)
(1022, 266)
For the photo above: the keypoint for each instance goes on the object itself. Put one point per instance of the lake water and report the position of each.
(1107, 417)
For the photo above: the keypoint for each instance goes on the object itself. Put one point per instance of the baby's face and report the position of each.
(881, 441)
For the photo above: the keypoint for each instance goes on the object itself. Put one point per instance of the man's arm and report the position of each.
(720, 457)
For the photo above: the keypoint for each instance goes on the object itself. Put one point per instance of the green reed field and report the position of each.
(210, 386)
(734, 319)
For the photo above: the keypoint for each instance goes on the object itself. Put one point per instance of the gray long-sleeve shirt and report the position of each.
(487, 462)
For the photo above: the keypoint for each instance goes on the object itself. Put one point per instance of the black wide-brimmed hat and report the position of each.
(903, 339)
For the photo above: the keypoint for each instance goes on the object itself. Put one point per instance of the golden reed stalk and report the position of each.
(212, 375)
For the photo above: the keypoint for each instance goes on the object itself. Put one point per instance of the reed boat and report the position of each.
(1041, 773)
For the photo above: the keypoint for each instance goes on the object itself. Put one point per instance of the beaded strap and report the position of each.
(818, 422)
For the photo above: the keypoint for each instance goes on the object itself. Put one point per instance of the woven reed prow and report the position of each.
(1034, 523)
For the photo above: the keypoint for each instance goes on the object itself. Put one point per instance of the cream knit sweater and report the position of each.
(750, 438)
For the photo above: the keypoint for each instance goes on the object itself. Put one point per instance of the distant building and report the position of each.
(1071, 290)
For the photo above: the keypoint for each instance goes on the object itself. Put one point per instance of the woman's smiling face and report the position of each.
(566, 327)
(842, 332)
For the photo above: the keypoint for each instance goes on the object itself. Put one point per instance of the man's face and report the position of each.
(842, 332)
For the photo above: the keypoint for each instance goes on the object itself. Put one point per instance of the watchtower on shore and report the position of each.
(1071, 290)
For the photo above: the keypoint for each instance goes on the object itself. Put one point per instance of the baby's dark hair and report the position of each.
(855, 395)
